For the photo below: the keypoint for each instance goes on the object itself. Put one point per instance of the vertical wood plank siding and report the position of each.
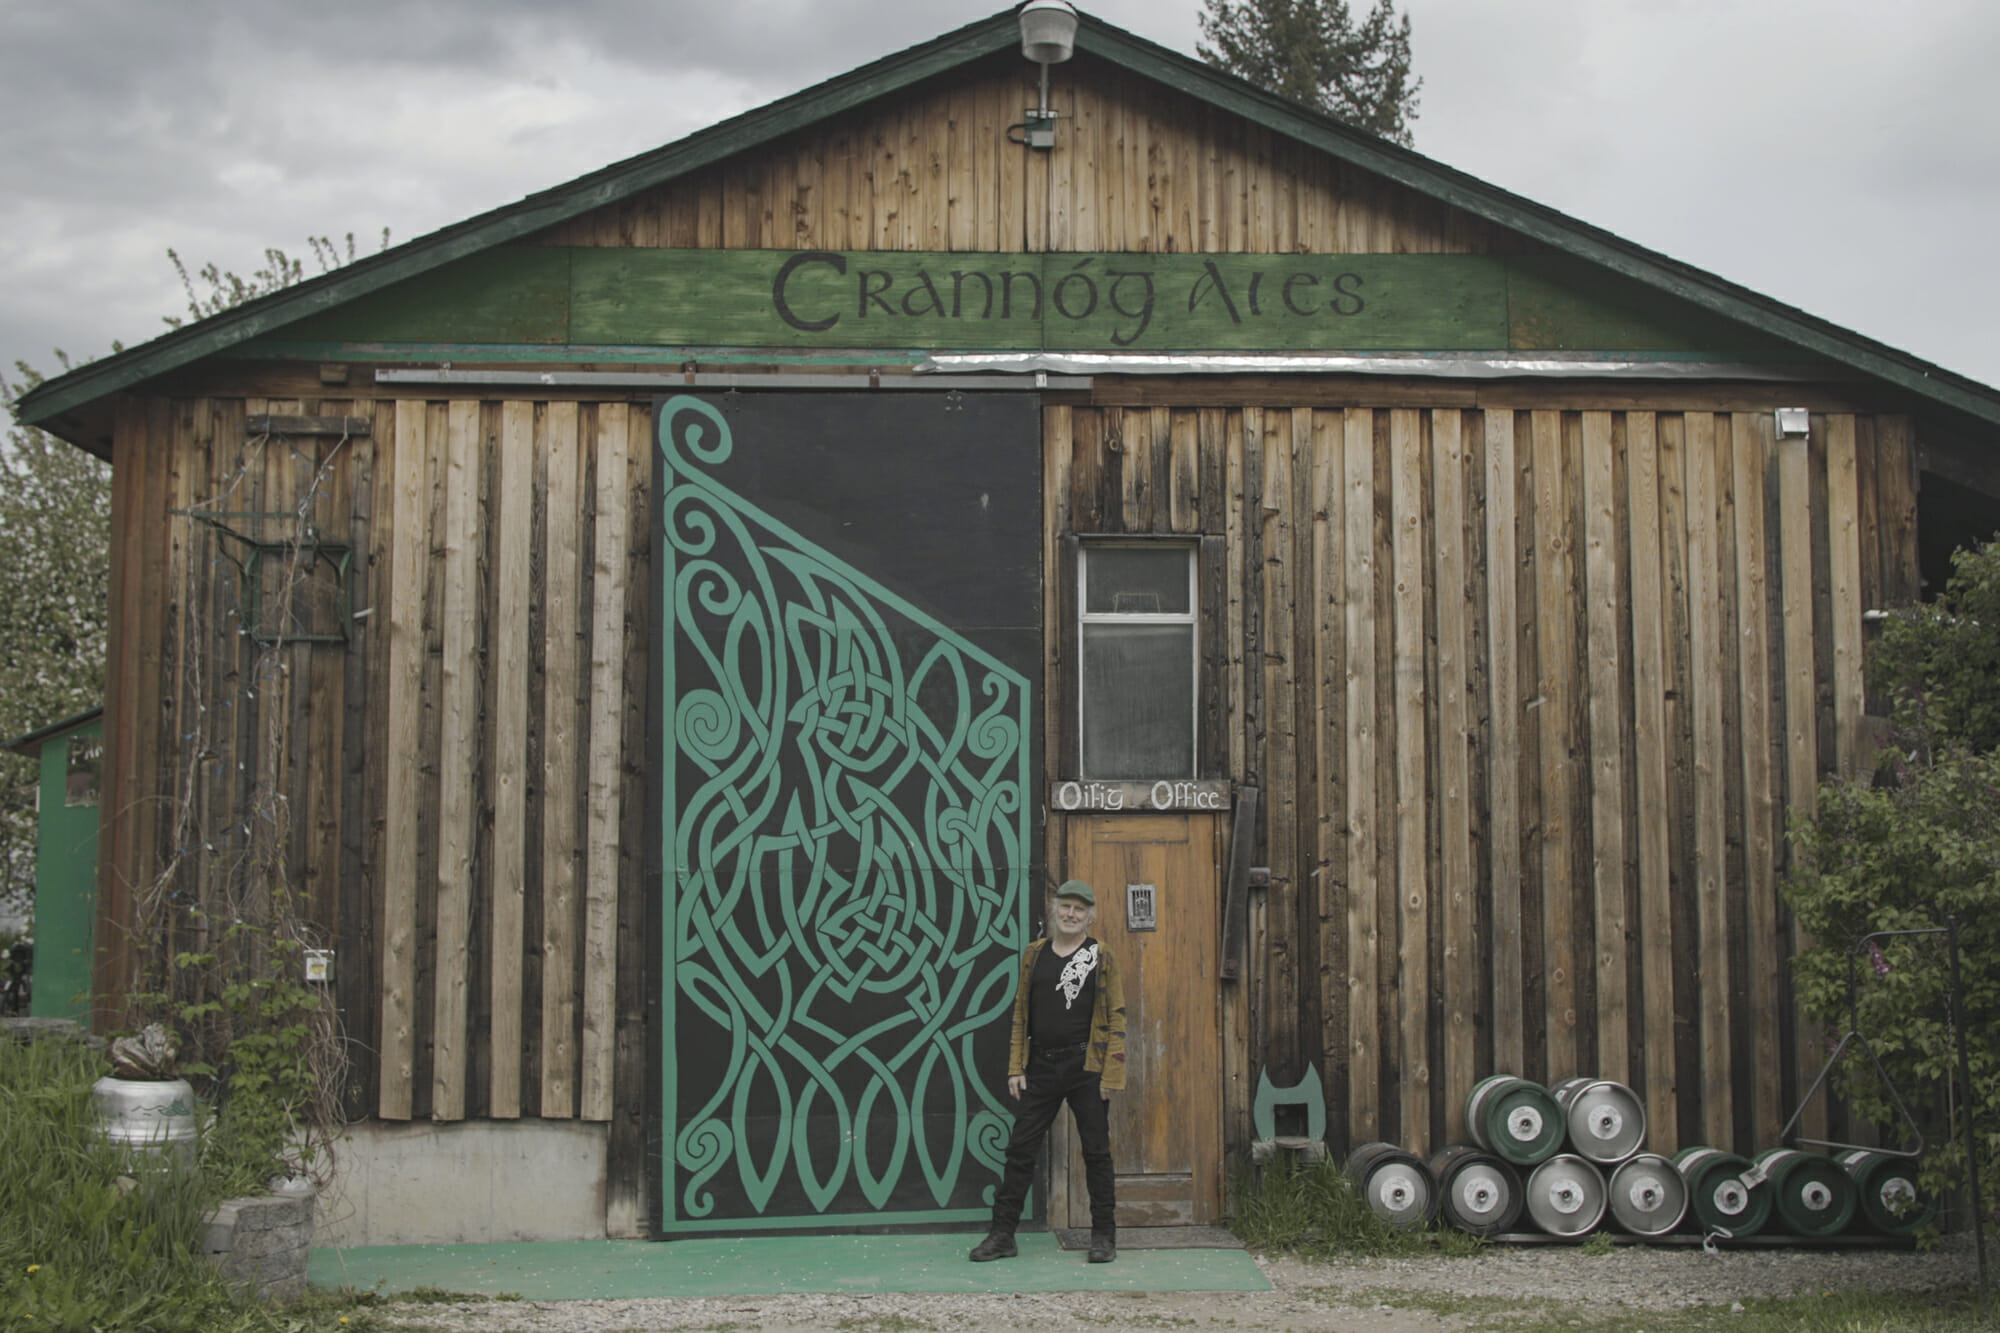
(418, 823)
(1149, 172)
(1407, 560)
(1464, 640)
(1481, 580)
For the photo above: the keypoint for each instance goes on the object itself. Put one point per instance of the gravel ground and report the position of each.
(1321, 1297)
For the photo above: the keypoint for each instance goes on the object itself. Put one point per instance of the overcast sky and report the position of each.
(1843, 157)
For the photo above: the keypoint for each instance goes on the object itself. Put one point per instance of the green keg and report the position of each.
(1892, 1202)
(1813, 1197)
(1514, 1119)
(1720, 1200)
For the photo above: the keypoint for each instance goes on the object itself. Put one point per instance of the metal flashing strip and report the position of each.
(1035, 379)
(1444, 366)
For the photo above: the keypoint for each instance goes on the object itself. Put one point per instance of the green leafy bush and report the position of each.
(85, 1245)
(257, 1028)
(1912, 847)
(92, 1243)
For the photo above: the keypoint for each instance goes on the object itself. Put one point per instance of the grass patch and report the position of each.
(90, 1241)
(1315, 1211)
(1840, 1312)
(1445, 1303)
(883, 1323)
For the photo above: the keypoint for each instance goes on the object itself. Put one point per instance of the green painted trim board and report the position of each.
(546, 297)
(772, 1266)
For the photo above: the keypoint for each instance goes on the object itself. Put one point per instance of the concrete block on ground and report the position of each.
(261, 1244)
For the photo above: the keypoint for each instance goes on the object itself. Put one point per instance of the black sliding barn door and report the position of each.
(849, 632)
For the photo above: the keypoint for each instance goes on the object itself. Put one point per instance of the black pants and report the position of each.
(1050, 1084)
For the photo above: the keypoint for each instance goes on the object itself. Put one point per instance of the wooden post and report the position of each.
(561, 627)
(457, 775)
(509, 776)
(407, 565)
(1364, 944)
(1710, 831)
(1555, 646)
(1650, 759)
(1753, 434)
(1503, 801)
(1412, 699)
(1844, 548)
(1603, 616)
(606, 776)
(1801, 716)
(1454, 784)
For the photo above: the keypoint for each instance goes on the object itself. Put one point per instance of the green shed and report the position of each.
(71, 753)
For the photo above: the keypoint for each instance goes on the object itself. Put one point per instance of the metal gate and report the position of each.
(849, 625)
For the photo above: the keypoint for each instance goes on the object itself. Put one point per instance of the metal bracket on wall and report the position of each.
(311, 555)
(1236, 894)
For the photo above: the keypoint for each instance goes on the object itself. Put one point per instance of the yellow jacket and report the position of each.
(1106, 1054)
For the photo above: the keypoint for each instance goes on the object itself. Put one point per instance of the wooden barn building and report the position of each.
(670, 632)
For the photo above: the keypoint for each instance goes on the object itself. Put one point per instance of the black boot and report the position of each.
(998, 1245)
(1103, 1246)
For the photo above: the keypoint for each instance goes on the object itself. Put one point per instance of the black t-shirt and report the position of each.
(1062, 996)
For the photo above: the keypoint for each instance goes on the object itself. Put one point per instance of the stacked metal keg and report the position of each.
(1570, 1159)
(1804, 1194)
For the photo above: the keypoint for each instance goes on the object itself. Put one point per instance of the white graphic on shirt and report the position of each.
(1075, 972)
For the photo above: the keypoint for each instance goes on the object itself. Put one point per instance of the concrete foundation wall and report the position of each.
(465, 1182)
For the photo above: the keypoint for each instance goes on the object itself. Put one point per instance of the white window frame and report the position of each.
(1191, 552)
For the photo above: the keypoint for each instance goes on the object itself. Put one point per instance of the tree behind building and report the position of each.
(55, 515)
(1312, 52)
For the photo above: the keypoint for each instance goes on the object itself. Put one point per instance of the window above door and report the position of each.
(1138, 655)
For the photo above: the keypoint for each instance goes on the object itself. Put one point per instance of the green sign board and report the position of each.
(593, 299)
(1054, 302)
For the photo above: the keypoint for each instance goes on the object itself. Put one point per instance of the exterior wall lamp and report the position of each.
(1048, 37)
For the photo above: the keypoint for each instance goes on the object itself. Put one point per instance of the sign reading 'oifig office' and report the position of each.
(1098, 796)
(1037, 302)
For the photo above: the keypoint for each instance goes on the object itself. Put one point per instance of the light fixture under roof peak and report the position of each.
(1048, 37)
(1048, 31)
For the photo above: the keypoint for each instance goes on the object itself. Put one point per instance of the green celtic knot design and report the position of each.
(846, 829)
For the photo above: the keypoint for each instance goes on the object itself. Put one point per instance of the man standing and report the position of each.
(1069, 1046)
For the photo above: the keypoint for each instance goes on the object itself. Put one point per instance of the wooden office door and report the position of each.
(1166, 1127)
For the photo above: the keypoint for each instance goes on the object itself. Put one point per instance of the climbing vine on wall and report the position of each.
(224, 927)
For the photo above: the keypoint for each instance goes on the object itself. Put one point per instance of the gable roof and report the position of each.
(47, 404)
(32, 742)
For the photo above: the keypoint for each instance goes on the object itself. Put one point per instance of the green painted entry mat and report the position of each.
(771, 1266)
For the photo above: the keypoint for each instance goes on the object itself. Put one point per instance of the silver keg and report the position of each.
(1606, 1121)
(1477, 1191)
(147, 1118)
(1648, 1196)
(1565, 1196)
(1397, 1185)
